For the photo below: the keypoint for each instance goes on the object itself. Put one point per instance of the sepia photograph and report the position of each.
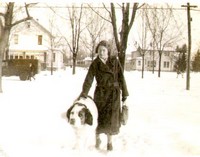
(99, 78)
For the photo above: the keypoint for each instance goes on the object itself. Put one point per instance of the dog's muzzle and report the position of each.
(72, 121)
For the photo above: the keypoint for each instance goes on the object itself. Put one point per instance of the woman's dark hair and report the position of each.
(104, 43)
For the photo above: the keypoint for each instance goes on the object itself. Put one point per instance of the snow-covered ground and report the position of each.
(164, 117)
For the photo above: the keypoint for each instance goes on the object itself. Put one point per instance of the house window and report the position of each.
(39, 39)
(139, 63)
(16, 39)
(154, 63)
(28, 24)
(166, 53)
(148, 64)
(166, 64)
(151, 63)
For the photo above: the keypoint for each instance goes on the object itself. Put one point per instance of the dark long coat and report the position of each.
(110, 87)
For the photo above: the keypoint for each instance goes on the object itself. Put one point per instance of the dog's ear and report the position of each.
(88, 117)
(69, 111)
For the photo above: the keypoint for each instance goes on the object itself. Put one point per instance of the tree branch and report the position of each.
(79, 28)
(135, 7)
(141, 6)
(22, 20)
(100, 14)
(114, 24)
(27, 13)
(26, 8)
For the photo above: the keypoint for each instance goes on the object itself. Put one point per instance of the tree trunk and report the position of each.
(122, 59)
(74, 63)
(3, 43)
(143, 66)
(159, 67)
(125, 29)
(1, 54)
(5, 32)
(153, 62)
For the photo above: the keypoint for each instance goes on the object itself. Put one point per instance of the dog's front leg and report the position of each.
(79, 143)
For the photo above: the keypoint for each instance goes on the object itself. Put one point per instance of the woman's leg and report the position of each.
(109, 142)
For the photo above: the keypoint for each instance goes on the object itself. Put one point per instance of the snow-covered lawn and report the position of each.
(164, 117)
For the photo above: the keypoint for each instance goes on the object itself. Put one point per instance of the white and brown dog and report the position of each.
(82, 116)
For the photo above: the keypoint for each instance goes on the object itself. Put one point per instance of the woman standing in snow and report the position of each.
(110, 85)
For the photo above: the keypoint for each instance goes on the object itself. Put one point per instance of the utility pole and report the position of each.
(189, 44)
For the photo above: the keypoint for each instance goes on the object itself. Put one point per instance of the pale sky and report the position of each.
(182, 17)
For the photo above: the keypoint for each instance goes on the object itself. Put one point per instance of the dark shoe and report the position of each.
(98, 142)
(109, 147)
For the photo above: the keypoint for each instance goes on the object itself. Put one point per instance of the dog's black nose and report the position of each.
(72, 121)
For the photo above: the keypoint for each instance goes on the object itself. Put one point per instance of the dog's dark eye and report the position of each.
(80, 114)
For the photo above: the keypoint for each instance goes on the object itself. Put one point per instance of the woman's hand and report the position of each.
(124, 103)
(124, 98)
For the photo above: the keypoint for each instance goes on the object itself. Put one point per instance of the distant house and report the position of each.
(88, 61)
(84, 62)
(31, 40)
(151, 58)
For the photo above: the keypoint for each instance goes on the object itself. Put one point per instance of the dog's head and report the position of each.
(79, 115)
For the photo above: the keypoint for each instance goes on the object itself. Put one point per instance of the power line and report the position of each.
(96, 7)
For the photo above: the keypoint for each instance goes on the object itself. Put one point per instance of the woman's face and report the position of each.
(103, 52)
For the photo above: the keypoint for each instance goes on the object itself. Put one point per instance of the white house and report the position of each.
(31, 40)
(151, 58)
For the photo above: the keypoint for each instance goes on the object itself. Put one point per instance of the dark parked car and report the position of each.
(19, 67)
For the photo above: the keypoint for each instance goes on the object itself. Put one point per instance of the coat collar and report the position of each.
(105, 67)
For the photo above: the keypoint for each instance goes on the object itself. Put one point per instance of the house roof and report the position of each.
(88, 59)
(41, 27)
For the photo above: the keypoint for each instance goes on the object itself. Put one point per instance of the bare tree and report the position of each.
(7, 22)
(75, 15)
(144, 39)
(52, 42)
(121, 37)
(70, 42)
(163, 27)
(60, 40)
(95, 27)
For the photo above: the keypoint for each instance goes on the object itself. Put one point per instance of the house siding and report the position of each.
(167, 61)
(29, 46)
